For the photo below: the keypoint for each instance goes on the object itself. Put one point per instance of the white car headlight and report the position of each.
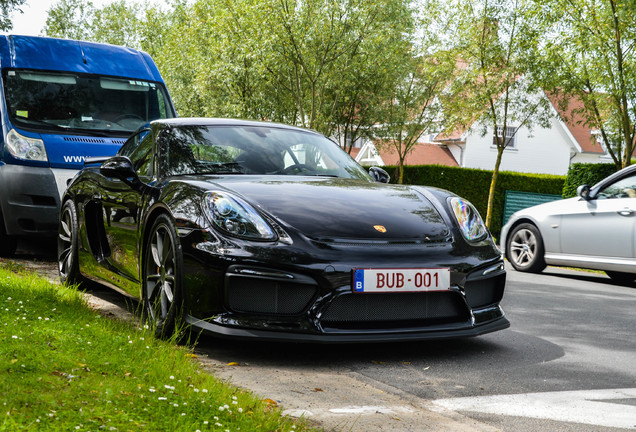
(236, 217)
(26, 148)
(469, 220)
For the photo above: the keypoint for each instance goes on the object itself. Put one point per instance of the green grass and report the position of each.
(64, 367)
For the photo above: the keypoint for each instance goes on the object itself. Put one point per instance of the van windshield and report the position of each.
(82, 104)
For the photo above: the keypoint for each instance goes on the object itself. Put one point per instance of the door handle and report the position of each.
(626, 212)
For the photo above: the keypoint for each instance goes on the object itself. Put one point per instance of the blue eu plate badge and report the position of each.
(358, 280)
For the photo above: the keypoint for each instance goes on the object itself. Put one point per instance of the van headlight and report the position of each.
(26, 148)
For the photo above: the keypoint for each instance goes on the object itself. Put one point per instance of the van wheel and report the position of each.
(8, 244)
(524, 249)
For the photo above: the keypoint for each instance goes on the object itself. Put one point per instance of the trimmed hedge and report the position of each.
(474, 184)
(585, 173)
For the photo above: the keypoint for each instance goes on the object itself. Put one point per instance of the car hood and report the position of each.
(552, 208)
(329, 208)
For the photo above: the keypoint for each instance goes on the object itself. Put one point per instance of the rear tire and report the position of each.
(524, 249)
(621, 277)
(8, 244)
(162, 278)
(67, 245)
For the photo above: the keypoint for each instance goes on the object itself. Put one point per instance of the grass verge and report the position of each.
(65, 367)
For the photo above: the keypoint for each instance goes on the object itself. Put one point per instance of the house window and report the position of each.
(510, 137)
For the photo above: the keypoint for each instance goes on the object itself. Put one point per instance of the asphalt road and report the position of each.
(566, 364)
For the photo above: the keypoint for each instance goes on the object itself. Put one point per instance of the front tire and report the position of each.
(67, 245)
(162, 279)
(525, 250)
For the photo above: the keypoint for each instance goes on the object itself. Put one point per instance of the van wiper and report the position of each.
(102, 132)
(42, 123)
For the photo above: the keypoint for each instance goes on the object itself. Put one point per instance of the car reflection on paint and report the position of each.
(261, 230)
(595, 230)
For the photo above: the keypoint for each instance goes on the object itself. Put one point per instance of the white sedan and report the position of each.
(595, 230)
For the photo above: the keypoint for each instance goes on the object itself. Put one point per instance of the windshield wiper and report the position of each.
(220, 167)
(42, 123)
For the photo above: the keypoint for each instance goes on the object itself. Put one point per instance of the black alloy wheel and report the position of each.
(67, 245)
(162, 280)
(524, 249)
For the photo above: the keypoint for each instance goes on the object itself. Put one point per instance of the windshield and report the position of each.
(264, 150)
(78, 103)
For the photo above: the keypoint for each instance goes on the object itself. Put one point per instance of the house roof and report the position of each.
(422, 154)
(571, 117)
(354, 152)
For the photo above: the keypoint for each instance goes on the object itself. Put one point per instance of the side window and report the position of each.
(624, 188)
(138, 148)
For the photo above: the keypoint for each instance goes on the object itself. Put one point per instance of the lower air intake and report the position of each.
(269, 297)
(369, 311)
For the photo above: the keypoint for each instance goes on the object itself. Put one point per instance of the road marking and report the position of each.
(610, 408)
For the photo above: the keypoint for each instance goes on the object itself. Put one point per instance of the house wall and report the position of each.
(544, 151)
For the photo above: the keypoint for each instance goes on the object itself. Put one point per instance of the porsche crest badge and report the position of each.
(380, 228)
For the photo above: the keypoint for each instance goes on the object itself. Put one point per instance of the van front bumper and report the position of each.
(30, 200)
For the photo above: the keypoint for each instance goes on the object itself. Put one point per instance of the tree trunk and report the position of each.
(493, 187)
(401, 177)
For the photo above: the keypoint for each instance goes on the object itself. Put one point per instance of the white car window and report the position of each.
(624, 188)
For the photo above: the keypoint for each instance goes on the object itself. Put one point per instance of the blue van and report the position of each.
(63, 101)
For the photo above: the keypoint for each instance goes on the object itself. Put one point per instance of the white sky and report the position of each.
(32, 20)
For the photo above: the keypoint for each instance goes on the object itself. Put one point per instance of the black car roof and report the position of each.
(204, 121)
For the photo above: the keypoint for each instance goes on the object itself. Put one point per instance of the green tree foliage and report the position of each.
(591, 51)
(70, 19)
(423, 69)
(118, 23)
(7, 8)
(497, 43)
(414, 108)
(328, 65)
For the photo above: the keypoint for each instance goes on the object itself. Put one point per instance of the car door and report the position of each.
(605, 225)
(122, 202)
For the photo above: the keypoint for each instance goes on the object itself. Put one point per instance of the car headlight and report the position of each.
(469, 220)
(26, 148)
(236, 217)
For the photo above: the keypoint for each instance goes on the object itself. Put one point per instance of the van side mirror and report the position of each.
(379, 175)
(584, 192)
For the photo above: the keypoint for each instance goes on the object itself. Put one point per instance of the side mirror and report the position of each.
(584, 192)
(379, 175)
(119, 167)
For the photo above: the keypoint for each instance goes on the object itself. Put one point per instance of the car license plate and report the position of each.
(401, 280)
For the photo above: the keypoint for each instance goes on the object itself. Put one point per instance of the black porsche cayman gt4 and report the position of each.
(261, 230)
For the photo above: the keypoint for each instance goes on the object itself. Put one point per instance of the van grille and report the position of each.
(85, 140)
(94, 140)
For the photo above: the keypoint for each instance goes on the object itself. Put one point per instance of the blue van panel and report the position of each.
(45, 53)
(70, 151)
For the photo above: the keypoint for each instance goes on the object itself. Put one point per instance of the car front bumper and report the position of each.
(285, 293)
